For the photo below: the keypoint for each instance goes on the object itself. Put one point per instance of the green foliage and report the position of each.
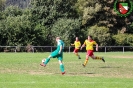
(88, 9)
(17, 28)
(46, 19)
(10, 26)
(101, 35)
(2, 4)
(35, 25)
(123, 39)
(130, 39)
(101, 13)
(55, 16)
(130, 28)
(66, 29)
(12, 11)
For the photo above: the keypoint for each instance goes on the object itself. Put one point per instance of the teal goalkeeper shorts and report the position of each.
(55, 54)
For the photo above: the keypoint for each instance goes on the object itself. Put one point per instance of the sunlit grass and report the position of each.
(22, 70)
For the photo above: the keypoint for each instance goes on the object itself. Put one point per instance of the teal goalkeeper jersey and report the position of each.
(60, 43)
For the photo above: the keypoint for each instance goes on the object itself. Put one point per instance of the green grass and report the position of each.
(22, 70)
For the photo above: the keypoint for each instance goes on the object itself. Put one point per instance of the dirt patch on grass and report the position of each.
(6, 70)
(108, 74)
(39, 73)
(31, 72)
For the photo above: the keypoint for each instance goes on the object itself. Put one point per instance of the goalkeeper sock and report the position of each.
(98, 58)
(62, 68)
(86, 61)
(46, 60)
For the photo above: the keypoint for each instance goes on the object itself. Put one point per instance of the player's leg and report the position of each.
(45, 61)
(86, 60)
(52, 55)
(62, 67)
(97, 58)
(60, 59)
(76, 53)
(89, 53)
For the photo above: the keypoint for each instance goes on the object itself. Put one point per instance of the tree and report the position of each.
(45, 19)
(123, 39)
(11, 26)
(8, 24)
(49, 13)
(88, 9)
(101, 13)
(66, 29)
(101, 35)
(2, 4)
(35, 25)
(16, 28)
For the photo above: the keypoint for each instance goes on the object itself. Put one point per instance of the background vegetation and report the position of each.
(38, 22)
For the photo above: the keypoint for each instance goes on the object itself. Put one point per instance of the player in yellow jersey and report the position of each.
(77, 45)
(89, 43)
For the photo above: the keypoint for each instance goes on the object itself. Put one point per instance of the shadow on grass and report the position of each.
(108, 67)
(87, 73)
(72, 73)
(80, 73)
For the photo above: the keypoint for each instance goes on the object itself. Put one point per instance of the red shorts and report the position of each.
(76, 50)
(89, 52)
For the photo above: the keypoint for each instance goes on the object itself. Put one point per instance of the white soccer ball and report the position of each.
(43, 60)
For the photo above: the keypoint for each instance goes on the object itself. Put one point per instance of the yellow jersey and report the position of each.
(89, 44)
(77, 44)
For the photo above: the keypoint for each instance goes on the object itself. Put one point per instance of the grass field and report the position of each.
(22, 70)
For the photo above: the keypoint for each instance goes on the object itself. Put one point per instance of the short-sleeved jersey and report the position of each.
(89, 44)
(77, 44)
(60, 43)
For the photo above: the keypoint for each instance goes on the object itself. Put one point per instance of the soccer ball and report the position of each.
(43, 60)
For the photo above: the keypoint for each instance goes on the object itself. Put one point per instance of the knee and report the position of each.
(87, 56)
(60, 62)
(49, 56)
(93, 57)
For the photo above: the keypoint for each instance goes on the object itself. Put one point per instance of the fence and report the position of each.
(66, 49)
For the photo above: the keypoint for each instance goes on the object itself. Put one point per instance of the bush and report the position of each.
(101, 35)
(123, 39)
(66, 29)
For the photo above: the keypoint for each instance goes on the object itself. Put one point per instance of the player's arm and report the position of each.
(73, 44)
(96, 46)
(79, 44)
(82, 46)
